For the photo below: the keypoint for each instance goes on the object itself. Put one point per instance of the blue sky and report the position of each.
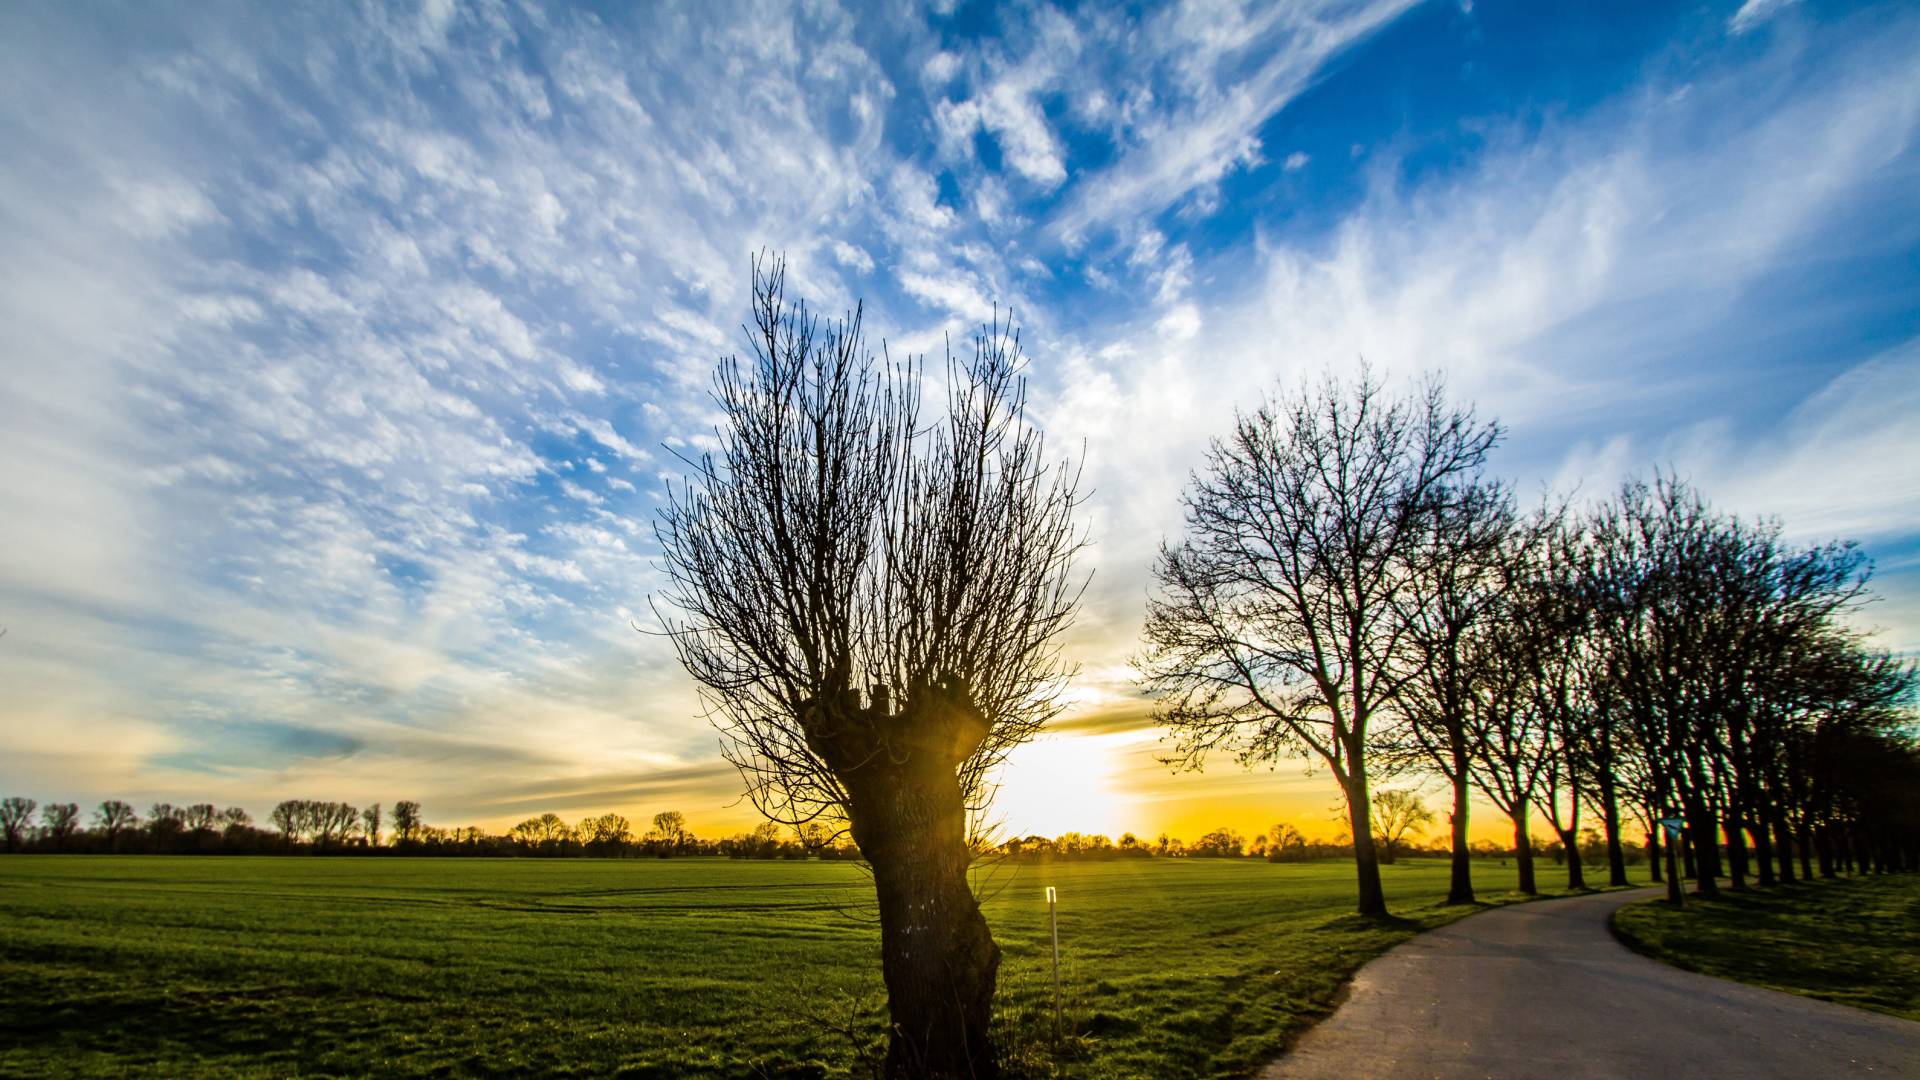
(345, 349)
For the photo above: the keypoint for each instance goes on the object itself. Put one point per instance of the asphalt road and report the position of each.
(1544, 990)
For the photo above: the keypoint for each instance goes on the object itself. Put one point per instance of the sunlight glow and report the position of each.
(1061, 783)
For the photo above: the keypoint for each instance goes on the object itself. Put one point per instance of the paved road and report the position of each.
(1543, 990)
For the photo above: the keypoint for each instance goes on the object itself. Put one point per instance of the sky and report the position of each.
(345, 350)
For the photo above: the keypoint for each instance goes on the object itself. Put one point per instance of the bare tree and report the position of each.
(834, 544)
(1456, 568)
(199, 817)
(406, 820)
(293, 818)
(60, 820)
(115, 817)
(1273, 620)
(1398, 813)
(370, 824)
(165, 822)
(16, 817)
(1513, 740)
(671, 825)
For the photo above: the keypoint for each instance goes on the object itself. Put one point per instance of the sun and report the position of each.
(1061, 783)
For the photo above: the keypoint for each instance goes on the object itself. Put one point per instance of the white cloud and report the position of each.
(1754, 12)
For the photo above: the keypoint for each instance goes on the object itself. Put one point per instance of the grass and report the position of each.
(1855, 940)
(691, 967)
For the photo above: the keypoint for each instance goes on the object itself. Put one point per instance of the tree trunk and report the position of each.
(1460, 888)
(1523, 848)
(1610, 821)
(1366, 860)
(1705, 832)
(907, 813)
(1653, 853)
(1806, 852)
(937, 955)
(1576, 873)
(1762, 850)
(1783, 848)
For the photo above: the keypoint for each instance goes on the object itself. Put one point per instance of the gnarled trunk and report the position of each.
(937, 954)
(907, 812)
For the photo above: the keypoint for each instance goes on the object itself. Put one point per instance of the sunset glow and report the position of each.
(350, 353)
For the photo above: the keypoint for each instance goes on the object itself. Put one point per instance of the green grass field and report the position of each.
(1855, 941)
(692, 967)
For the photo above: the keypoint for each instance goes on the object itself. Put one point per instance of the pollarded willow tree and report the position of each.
(871, 606)
(1275, 621)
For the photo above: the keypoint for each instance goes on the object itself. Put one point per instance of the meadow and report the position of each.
(189, 966)
(1852, 940)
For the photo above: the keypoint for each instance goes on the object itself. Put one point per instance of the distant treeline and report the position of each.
(317, 827)
(1281, 843)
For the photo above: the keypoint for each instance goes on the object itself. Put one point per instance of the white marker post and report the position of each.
(1053, 921)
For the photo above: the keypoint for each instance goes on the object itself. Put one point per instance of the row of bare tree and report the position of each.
(1353, 588)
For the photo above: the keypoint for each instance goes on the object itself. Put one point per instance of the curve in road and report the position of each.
(1543, 990)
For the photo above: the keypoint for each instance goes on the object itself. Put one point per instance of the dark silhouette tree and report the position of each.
(671, 827)
(1457, 576)
(835, 543)
(60, 820)
(165, 823)
(199, 818)
(1273, 622)
(113, 818)
(370, 824)
(406, 821)
(16, 818)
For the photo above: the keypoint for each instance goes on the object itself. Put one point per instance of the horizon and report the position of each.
(348, 354)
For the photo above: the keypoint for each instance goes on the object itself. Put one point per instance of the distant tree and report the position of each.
(60, 820)
(671, 827)
(16, 817)
(764, 841)
(1396, 815)
(871, 604)
(115, 817)
(608, 832)
(199, 818)
(334, 822)
(1285, 844)
(1272, 622)
(1221, 843)
(370, 824)
(813, 836)
(164, 823)
(406, 820)
(235, 818)
(291, 818)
